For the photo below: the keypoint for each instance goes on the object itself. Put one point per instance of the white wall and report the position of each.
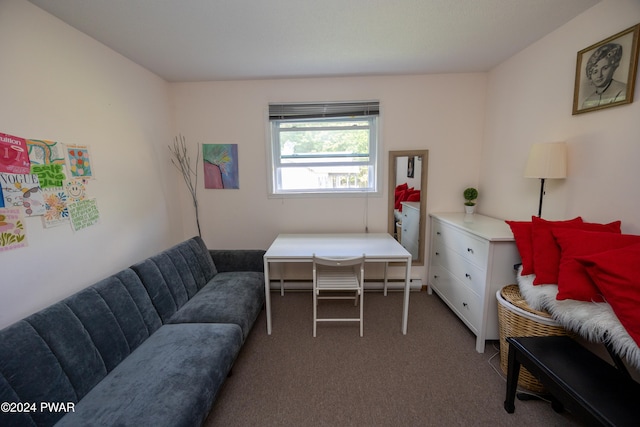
(441, 113)
(58, 84)
(530, 100)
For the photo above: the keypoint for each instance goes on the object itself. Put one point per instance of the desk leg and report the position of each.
(386, 266)
(267, 294)
(407, 289)
(281, 279)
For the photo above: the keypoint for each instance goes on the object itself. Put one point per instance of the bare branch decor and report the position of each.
(182, 162)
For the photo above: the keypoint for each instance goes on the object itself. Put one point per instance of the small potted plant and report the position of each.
(470, 194)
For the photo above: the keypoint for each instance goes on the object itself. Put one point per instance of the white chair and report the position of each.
(337, 275)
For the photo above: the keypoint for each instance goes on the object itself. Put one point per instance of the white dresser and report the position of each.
(471, 257)
(410, 235)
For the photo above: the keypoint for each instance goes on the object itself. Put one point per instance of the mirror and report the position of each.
(408, 200)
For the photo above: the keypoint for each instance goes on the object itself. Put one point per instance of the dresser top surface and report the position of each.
(489, 228)
(412, 205)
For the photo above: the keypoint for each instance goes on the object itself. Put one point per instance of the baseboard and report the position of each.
(369, 285)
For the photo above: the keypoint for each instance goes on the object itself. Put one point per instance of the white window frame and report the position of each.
(276, 164)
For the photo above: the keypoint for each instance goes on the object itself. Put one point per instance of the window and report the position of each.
(324, 148)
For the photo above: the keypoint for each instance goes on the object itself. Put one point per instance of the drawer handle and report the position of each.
(464, 304)
(437, 253)
(435, 276)
(470, 250)
(468, 276)
(438, 233)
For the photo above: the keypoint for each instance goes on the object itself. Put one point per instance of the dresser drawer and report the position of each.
(467, 273)
(466, 304)
(472, 248)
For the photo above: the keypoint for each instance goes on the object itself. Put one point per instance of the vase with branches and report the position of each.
(182, 161)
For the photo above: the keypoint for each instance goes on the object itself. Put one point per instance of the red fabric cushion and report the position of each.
(399, 194)
(616, 275)
(573, 280)
(546, 253)
(414, 196)
(402, 196)
(542, 243)
(522, 234)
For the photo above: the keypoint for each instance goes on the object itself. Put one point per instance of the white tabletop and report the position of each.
(376, 247)
(303, 246)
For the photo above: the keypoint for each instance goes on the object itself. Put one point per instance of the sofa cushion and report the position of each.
(118, 315)
(170, 380)
(30, 372)
(60, 353)
(238, 259)
(72, 346)
(175, 275)
(235, 297)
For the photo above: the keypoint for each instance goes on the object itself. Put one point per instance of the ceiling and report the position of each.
(206, 40)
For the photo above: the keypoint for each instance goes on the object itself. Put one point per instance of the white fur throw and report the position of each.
(594, 321)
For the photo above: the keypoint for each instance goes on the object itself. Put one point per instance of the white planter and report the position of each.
(469, 209)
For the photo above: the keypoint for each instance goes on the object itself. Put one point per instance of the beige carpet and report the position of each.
(430, 377)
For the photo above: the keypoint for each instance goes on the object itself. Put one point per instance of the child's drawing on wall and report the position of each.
(12, 232)
(44, 152)
(79, 161)
(76, 190)
(55, 201)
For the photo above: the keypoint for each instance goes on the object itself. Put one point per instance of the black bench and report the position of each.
(590, 388)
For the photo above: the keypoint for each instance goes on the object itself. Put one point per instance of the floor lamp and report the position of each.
(546, 161)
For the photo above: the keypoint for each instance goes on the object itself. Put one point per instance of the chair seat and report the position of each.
(336, 278)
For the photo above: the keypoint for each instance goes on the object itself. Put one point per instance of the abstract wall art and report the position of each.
(220, 166)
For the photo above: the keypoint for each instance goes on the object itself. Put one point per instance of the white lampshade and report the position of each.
(547, 160)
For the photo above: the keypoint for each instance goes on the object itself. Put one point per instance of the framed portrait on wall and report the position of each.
(606, 72)
(410, 165)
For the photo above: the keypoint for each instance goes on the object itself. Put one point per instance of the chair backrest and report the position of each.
(338, 262)
(338, 270)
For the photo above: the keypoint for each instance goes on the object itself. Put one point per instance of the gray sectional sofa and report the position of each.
(148, 346)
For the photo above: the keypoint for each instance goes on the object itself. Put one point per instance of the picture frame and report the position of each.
(606, 72)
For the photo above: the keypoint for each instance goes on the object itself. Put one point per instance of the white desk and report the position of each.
(377, 247)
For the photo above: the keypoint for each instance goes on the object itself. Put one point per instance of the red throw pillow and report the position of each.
(616, 275)
(546, 253)
(399, 194)
(573, 280)
(542, 240)
(402, 187)
(399, 197)
(402, 196)
(522, 234)
(414, 196)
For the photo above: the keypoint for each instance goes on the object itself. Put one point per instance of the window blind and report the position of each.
(326, 109)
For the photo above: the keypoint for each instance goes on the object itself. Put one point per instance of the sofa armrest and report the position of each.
(238, 259)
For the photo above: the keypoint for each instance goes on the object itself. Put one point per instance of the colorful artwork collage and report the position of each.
(43, 178)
